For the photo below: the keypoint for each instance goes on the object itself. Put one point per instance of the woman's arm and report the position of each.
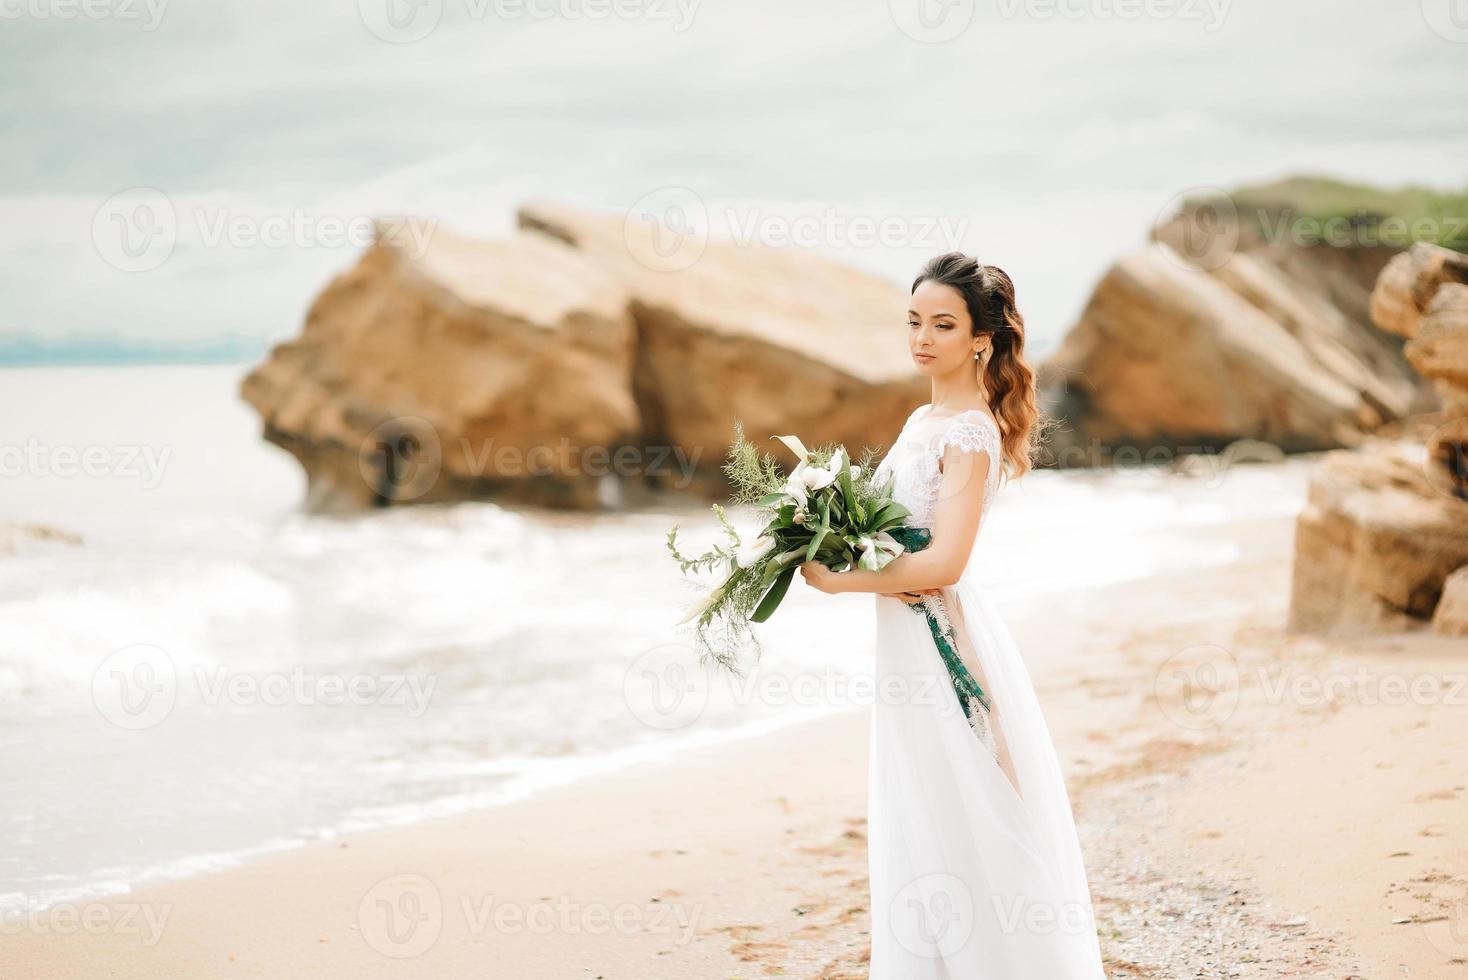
(955, 526)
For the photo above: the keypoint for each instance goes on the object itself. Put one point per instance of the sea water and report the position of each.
(193, 671)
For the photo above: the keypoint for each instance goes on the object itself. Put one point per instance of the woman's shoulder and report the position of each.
(961, 418)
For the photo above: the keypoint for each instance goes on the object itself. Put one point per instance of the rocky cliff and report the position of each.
(1383, 539)
(1186, 347)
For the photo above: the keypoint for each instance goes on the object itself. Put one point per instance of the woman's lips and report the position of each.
(924, 357)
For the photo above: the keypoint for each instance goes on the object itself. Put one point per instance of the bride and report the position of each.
(976, 871)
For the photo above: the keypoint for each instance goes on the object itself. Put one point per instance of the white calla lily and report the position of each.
(877, 550)
(703, 603)
(752, 552)
(796, 489)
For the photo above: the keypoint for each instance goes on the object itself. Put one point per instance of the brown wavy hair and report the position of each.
(1006, 375)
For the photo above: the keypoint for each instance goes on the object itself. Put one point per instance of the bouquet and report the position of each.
(827, 509)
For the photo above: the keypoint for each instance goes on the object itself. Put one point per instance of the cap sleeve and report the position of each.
(972, 432)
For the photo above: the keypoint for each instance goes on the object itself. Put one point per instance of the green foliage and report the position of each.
(835, 525)
(1394, 216)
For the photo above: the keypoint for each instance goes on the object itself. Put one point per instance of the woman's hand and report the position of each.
(818, 576)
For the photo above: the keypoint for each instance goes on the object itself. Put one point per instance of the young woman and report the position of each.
(976, 870)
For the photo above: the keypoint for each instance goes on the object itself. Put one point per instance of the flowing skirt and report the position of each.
(970, 879)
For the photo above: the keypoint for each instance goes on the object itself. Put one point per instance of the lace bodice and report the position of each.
(920, 445)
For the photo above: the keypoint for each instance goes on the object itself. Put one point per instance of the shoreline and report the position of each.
(1262, 833)
(562, 773)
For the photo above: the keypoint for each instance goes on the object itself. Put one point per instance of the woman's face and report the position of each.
(940, 333)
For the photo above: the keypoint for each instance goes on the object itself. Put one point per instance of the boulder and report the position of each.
(1409, 282)
(1375, 542)
(1423, 295)
(562, 366)
(781, 339)
(1386, 527)
(1174, 357)
(1451, 616)
(475, 369)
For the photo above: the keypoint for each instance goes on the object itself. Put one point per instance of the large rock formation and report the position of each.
(781, 339)
(1268, 341)
(1385, 527)
(475, 369)
(556, 367)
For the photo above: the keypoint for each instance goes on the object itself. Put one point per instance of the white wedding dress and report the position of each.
(969, 879)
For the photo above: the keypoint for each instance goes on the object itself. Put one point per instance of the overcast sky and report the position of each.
(1045, 136)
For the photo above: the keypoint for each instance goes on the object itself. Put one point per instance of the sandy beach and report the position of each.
(1251, 804)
